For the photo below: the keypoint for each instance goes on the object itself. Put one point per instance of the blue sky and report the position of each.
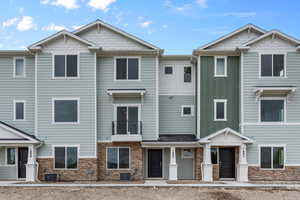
(178, 26)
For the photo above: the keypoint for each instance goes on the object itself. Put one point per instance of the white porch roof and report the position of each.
(226, 137)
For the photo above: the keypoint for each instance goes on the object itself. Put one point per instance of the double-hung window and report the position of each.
(220, 66)
(19, 110)
(118, 158)
(272, 110)
(272, 65)
(127, 119)
(127, 68)
(66, 110)
(19, 67)
(220, 109)
(66, 157)
(272, 157)
(65, 66)
(187, 74)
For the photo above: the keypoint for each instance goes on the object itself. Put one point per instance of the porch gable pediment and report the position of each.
(226, 136)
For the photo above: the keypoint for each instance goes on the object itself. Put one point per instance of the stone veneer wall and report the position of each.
(216, 172)
(87, 170)
(287, 174)
(136, 164)
(199, 160)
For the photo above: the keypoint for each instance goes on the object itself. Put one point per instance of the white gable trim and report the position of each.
(247, 27)
(110, 27)
(15, 131)
(271, 33)
(243, 138)
(37, 45)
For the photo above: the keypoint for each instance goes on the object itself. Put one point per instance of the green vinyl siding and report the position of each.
(82, 134)
(105, 103)
(170, 119)
(218, 88)
(21, 88)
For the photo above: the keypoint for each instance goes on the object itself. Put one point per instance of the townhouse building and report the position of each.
(101, 104)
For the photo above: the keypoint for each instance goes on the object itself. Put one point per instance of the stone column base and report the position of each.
(207, 172)
(31, 172)
(242, 172)
(173, 172)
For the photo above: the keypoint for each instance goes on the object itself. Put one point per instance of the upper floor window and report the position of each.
(127, 68)
(272, 65)
(168, 70)
(65, 66)
(65, 157)
(220, 109)
(66, 110)
(19, 67)
(19, 110)
(187, 110)
(272, 157)
(272, 110)
(220, 66)
(187, 74)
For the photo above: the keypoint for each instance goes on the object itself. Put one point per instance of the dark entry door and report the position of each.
(22, 161)
(227, 162)
(155, 163)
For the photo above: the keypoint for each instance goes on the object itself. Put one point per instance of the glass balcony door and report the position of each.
(127, 120)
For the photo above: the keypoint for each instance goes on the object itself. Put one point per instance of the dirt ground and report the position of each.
(76, 193)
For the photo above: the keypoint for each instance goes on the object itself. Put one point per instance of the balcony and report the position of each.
(127, 131)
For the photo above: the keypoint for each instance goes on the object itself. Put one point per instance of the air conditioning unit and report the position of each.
(125, 176)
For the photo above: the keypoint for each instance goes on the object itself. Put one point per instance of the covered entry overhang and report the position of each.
(177, 154)
(17, 153)
(226, 137)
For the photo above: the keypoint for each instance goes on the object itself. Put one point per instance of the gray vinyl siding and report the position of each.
(272, 134)
(21, 88)
(105, 103)
(170, 119)
(83, 88)
(219, 88)
(8, 172)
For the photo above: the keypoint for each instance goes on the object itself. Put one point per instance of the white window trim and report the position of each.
(272, 53)
(14, 110)
(164, 70)
(128, 105)
(66, 98)
(272, 98)
(66, 77)
(66, 156)
(187, 106)
(191, 74)
(6, 163)
(14, 70)
(118, 162)
(127, 57)
(215, 109)
(272, 145)
(225, 66)
(187, 157)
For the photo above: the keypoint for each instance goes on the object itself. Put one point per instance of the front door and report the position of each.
(22, 161)
(227, 162)
(155, 163)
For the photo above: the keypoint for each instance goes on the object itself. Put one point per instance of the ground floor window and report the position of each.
(10, 156)
(272, 157)
(117, 158)
(66, 157)
(214, 155)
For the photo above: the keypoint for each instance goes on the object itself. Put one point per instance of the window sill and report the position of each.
(118, 169)
(273, 77)
(133, 80)
(187, 115)
(272, 169)
(220, 120)
(19, 120)
(65, 123)
(61, 169)
(220, 76)
(65, 78)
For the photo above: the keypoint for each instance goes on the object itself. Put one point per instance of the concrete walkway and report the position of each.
(228, 185)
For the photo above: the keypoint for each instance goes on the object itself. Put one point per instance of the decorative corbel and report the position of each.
(258, 94)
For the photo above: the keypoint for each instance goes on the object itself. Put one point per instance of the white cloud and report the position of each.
(145, 24)
(68, 4)
(10, 22)
(53, 27)
(183, 8)
(202, 3)
(239, 14)
(26, 23)
(77, 27)
(100, 4)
